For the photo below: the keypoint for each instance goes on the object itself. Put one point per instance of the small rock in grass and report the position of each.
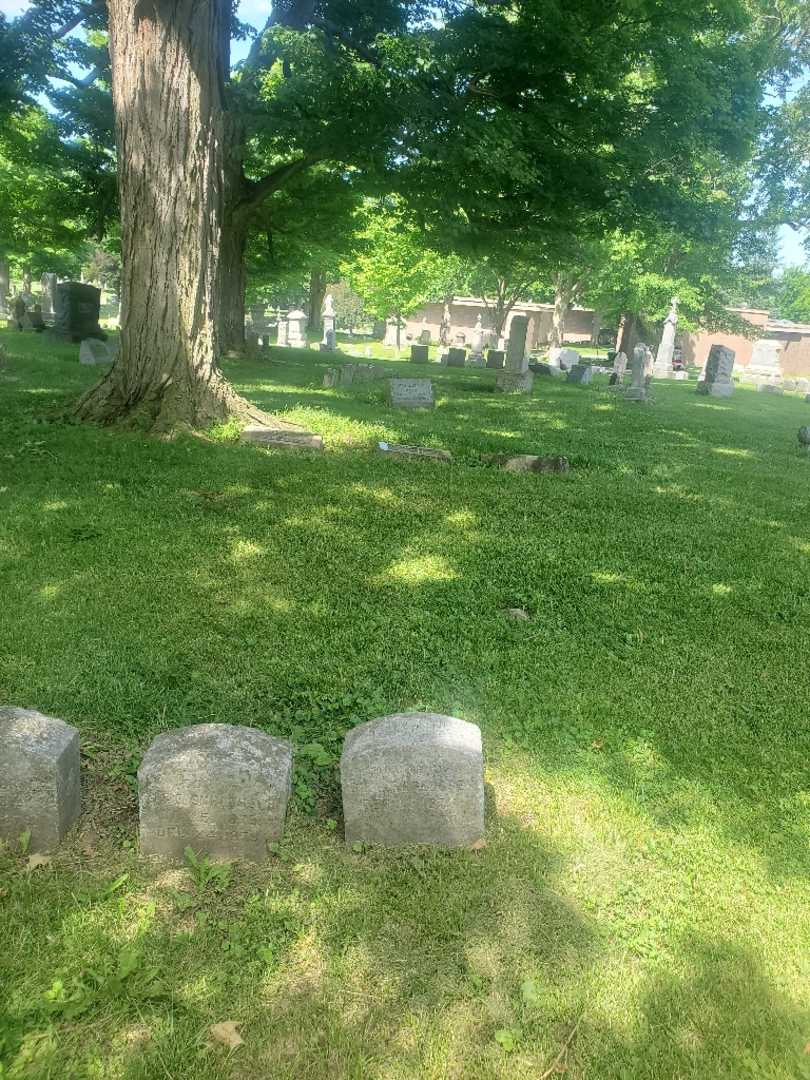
(535, 463)
(518, 613)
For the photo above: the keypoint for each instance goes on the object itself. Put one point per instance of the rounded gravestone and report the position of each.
(39, 778)
(413, 778)
(220, 789)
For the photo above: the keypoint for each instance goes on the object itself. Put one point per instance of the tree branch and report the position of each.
(80, 84)
(81, 14)
(256, 191)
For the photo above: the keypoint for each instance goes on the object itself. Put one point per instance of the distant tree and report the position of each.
(792, 300)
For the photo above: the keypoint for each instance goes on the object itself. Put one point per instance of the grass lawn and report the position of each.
(642, 906)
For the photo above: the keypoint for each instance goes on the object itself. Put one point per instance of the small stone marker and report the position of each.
(564, 358)
(420, 354)
(580, 374)
(39, 778)
(403, 450)
(803, 385)
(496, 358)
(413, 778)
(93, 351)
(276, 437)
(297, 329)
(770, 388)
(456, 357)
(641, 369)
(516, 378)
(218, 788)
(410, 393)
(804, 437)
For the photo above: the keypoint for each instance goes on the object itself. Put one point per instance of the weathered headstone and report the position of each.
(619, 366)
(477, 344)
(456, 357)
(424, 333)
(5, 286)
(515, 378)
(410, 393)
(413, 778)
(803, 386)
(328, 341)
(282, 331)
(716, 379)
(278, 438)
(580, 374)
(39, 778)
(347, 374)
(403, 450)
(804, 437)
(220, 789)
(48, 283)
(93, 351)
(769, 388)
(77, 311)
(789, 384)
(496, 358)
(765, 359)
(297, 329)
(420, 354)
(391, 326)
(662, 369)
(564, 358)
(540, 367)
(640, 369)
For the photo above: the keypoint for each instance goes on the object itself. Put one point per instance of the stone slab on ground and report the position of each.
(221, 789)
(39, 778)
(413, 778)
(278, 438)
(770, 388)
(410, 393)
(403, 450)
(535, 463)
(514, 382)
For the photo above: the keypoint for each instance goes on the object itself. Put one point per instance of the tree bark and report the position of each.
(233, 284)
(563, 296)
(169, 63)
(317, 292)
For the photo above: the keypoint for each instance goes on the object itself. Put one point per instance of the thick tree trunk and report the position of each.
(5, 283)
(233, 283)
(169, 63)
(562, 305)
(317, 292)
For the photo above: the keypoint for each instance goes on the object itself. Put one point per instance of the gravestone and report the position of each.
(279, 439)
(403, 450)
(282, 332)
(297, 329)
(515, 378)
(424, 333)
(220, 789)
(48, 283)
(564, 358)
(765, 359)
(536, 463)
(328, 341)
(496, 358)
(410, 393)
(539, 367)
(770, 388)
(640, 368)
(413, 778)
(716, 379)
(477, 344)
(77, 311)
(39, 778)
(391, 326)
(789, 384)
(662, 369)
(803, 386)
(347, 374)
(420, 354)
(580, 374)
(456, 357)
(619, 368)
(93, 351)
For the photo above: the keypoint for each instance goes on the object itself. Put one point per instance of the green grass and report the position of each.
(645, 878)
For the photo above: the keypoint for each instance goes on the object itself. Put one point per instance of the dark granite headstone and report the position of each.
(495, 358)
(77, 311)
(456, 357)
(419, 354)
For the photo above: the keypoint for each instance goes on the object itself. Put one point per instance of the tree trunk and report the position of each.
(233, 283)
(317, 292)
(5, 283)
(563, 295)
(26, 279)
(169, 62)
